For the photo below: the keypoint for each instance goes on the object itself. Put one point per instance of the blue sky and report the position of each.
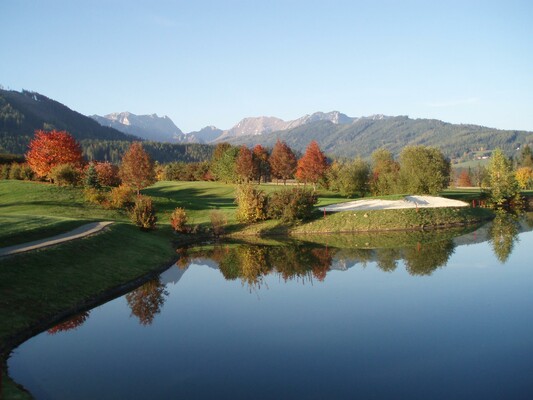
(216, 62)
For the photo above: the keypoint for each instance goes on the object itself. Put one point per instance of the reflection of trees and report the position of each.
(423, 260)
(70, 324)
(147, 300)
(503, 235)
(386, 259)
(251, 263)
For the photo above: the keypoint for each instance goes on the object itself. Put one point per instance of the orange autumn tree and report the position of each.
(244, 165)
(49, 149)
(137, 169)
(282, 161)
(313, 165)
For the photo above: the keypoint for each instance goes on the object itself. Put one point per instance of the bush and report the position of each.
(178, 220)
(251, 204)
(107, 174)
(143, 213)
(26, 172)
(218, 222)
(290, 205)
(4, 171)
(15, 171)
(122, 197)
(65, 175)
(95, 196)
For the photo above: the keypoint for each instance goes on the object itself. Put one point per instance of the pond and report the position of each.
(435, 315)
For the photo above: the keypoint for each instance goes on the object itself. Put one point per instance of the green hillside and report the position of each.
(367, 134)
(21, 113)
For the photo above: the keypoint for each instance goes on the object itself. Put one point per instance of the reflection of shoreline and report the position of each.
(313, 256)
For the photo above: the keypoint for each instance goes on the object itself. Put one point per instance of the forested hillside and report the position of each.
(21, 113)
(366, 135)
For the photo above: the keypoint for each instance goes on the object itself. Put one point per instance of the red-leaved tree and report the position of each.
(313, 165)
(137, 169)
(261, 165)
(49, 149)
(282, 161)
(244, 165)
(107, 173)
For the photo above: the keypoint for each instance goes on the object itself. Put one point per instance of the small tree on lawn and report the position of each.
(244, 166)
(50, 149)
(137, 169)
(91, 177)
(261, 166)
(282, 161)
(503, 185)
(313, 165)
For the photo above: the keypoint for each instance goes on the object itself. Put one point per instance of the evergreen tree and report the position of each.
(91, 177)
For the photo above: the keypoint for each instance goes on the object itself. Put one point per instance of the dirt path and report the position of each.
(407, 202)
(79, 232)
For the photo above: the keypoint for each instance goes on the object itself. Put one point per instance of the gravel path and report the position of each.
(79, 232)
(407, 202)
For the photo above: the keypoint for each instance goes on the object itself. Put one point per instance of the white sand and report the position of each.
(407, 202)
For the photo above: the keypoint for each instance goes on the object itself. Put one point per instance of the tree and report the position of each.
(385, 172)
(313, 165)
(423, 170)
(107, 173)
(282, 161)
(524, 177)
(223, 162)
(91, 177)
(526, 157)
(503, 185)
(261, 168)
(350, 178)
(49, 149)
(244, 166)
(463, 180)
(137, 169)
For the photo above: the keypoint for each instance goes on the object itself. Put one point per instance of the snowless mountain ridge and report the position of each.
(153, 127)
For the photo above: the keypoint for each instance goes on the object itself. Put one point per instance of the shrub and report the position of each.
(290, 205)
(251, 204)
(95, 196)
(26, 172)
(122, 197)
(65, 175)
(178, 220)
(218, 222)
(4, 171)
(15, 171)
(143, 213)
(107, 173)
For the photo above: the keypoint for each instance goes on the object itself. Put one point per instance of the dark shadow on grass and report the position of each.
(188, 198)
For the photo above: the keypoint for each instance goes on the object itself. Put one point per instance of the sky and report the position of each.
(216, 62)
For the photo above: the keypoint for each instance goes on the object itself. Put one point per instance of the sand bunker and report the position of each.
(407, 202)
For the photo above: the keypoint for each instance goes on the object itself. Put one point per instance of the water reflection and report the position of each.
(70, 324)
(147, 300)
(504, 234)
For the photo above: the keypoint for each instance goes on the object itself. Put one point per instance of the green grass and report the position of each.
(31, 211)
(404, 219)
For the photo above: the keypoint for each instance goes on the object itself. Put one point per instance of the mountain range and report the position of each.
(339, 135)
(343, 136)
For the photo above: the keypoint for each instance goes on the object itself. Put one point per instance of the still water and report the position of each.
(429, 316)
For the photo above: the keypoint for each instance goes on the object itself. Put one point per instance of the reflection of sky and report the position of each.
(460, 333)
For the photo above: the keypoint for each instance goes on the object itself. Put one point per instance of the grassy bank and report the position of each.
(383, 220)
